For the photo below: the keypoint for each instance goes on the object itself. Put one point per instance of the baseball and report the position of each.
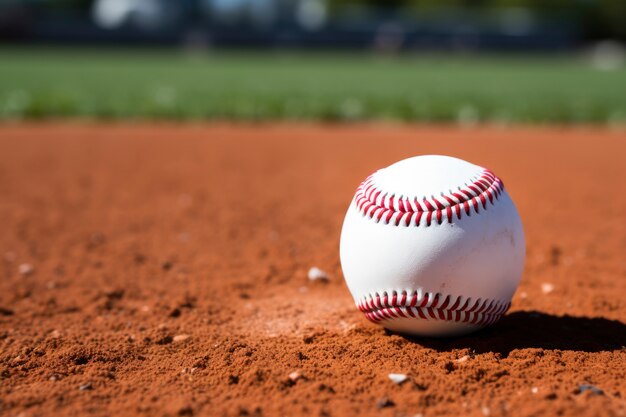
(432, 246)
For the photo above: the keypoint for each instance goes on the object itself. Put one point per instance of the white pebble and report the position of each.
(547, 288)
(397, 378)
(534, 390)
(485, 410)
(26, 269)
(295, 375)
(181, 337)
(316, 274)
(462, 359)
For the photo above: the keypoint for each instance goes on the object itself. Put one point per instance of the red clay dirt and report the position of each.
(161, 269)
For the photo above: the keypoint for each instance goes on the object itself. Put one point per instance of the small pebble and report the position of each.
(6, 311)
(26, 269)
(185, 411)
(385, 402)
(462, 359)
(295, 375)
(534, 390)
(316, 274)
(586, 387)
(547, 288)
(85, 387)
(181, 337)
(397, 378)
(485, 410)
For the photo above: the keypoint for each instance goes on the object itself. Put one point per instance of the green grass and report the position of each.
(37, 83)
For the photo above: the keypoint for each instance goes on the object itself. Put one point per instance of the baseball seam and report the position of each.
(403, 210)
(421, 305)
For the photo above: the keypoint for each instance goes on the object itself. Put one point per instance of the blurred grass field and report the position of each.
(122, 84)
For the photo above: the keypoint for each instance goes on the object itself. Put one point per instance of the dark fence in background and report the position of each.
(300, 24)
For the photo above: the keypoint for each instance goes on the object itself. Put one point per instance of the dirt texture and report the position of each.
(161, 270)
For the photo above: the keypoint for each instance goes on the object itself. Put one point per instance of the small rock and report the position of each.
(180, 338)
(397, 378)
(523, 295)
(165, 340)
(485, 410)
(385, 403)
(294, 376)
(316, 274)
(185, 411)
(26, 269)
(462, 359)
(55, 334)
(6, 311)
(587, 387)
(175, 312)
(547, 288)
(534, 390)
(86, 387)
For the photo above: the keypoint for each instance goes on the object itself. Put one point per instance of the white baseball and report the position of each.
(432, 246)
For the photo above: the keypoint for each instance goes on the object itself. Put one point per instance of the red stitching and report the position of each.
(383, 307)
(378, 205)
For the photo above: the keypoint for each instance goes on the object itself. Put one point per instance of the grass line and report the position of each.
(253, 86)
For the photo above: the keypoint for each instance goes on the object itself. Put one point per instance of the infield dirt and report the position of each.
(162, 270)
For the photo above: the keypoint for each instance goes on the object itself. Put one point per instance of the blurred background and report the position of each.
(417, 60)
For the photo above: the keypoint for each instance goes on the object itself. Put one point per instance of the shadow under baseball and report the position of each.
(533, 329)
